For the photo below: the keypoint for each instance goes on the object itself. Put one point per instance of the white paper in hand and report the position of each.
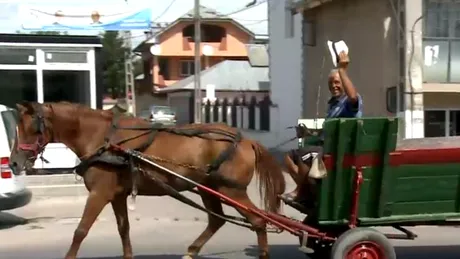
(339, 47)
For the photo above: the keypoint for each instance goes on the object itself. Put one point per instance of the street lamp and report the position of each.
(155, 49)
(207, 50)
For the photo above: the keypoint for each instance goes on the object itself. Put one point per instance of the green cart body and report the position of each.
(405, 183)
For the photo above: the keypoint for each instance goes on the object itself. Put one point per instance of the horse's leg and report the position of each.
(94, 204)
(213, 204)
(121, 214)
(258, 223)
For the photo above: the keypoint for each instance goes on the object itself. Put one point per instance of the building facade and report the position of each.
(403, 58)
(172, 57)
(285, 54)
(49, 68)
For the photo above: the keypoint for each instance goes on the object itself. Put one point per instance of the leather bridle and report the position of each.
(39, 127)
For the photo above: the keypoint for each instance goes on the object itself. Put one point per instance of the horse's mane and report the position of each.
(81, 110)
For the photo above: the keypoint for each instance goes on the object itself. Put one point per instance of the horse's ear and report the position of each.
(25, 108)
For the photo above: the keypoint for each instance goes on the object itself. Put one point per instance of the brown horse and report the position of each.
(188, 150)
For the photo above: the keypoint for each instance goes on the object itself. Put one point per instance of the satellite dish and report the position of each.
(208, 50)
(155, 49)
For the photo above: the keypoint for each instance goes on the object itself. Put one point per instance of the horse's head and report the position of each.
(34, 132)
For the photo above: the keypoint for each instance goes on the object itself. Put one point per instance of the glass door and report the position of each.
(68, 75)
(70, 86)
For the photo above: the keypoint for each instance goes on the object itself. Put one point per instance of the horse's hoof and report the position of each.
(187, 256)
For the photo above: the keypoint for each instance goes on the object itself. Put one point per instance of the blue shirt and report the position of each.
(341, 107)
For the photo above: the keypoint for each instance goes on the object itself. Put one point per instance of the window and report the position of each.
(392, 99)
(187, 67)
(435, 123)
(71, 86)
(17, 86)
(454, 123)
(455, 62)
(209, 33)
(441, 32)
(442, 123)
(66, 57)
(436, 22)
(16, 56)
(309, 32)
(436, 58)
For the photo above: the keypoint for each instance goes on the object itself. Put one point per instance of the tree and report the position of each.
(114, 53)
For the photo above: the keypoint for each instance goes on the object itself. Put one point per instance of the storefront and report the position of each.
(48, 68)
(51, 68)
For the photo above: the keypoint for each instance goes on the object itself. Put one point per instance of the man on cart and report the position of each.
(345, 102)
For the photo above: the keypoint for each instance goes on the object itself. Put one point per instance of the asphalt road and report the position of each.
(163, 238)
(162, 228)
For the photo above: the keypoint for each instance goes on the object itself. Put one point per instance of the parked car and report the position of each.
(165, 115)
(13, 192)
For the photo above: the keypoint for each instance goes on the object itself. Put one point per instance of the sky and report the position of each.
(254, 18)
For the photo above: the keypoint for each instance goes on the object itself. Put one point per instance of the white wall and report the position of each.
(285, 72)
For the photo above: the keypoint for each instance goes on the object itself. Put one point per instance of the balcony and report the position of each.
(189, 45)
(441, 60)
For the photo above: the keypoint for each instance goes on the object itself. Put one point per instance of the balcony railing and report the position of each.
(441, 58)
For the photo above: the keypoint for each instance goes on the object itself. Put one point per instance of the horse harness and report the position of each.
(106, 154)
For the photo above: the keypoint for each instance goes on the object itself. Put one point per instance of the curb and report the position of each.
(55, 185)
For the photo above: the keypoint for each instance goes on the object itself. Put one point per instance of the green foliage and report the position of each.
(114, 52)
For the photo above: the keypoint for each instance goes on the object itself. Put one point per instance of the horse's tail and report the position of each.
(270, 177)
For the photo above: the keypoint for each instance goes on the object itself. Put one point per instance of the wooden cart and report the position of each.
(375, 180)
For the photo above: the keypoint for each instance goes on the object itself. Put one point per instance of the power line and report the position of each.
(164, 11)
(255, 22)
(246, 8)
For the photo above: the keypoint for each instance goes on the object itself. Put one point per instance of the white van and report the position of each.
(13, 193)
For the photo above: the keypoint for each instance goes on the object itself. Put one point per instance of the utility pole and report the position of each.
(129, 76)
(197, 79)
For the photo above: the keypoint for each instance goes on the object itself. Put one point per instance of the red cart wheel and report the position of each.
(365, 250)
(362, 243)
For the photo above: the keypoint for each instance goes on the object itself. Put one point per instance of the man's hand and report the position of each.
(302, 131)
(344, 60)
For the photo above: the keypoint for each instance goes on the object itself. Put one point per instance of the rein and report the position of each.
(38, 146)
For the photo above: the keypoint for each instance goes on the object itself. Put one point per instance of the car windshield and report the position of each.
(163, 110)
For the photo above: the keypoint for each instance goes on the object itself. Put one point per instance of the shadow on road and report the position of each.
(291, 252)
(414, 252)
(276, 251)
(8, 220)
(428, 252)
(151, 257)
